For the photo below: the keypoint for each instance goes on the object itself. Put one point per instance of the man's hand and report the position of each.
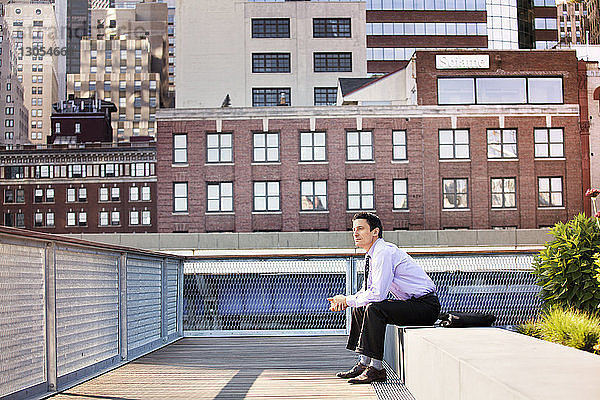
(338, 303)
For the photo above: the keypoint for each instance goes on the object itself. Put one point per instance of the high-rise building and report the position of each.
(572, 23)
(545, 28)
(77, 29)
(119, 71)
(395, 28)
(33, 29)
(15, 114)
(266, 54)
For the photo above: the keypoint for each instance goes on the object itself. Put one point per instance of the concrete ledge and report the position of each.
(491, 363)
(318, 240)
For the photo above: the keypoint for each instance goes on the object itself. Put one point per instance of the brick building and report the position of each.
(83, 188)
(493, 141)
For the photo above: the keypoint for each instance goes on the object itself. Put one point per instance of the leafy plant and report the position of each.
(567, 269)
(569, 327)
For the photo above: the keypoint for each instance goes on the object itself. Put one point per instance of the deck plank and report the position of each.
(254, 368)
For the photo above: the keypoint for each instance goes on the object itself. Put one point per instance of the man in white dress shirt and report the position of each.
(388, 270)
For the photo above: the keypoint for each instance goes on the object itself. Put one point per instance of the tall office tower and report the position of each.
(573, 23)
(118, 70)
(32, 27)
(395, 28)
(545, 17)
(266, 54)
(77, 29)
(147, 20)
(15, 113)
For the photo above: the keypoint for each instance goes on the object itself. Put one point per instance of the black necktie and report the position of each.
(367, 270)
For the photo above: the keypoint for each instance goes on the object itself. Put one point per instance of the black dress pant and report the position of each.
(367, 332)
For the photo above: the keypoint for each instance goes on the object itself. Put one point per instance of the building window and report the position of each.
(134, 217)
(8, 219)
(266, 196)
(267, 97)
(20, 220)
(20, 198)
(77, 127)
(361, 195)
(82, 194)
(83, 218)
(313, 146)
(502, 143)
(500, 90)
(180, 197)
(313, 195)
(454, 144)
(115, 218)
(134, 193)
(9, 196)
(219, 148)
(50, 195)
(38, 219)
(332, 62)
(70, 218)
(71, 195)
(400, 194)
(271, 62)
(399, 145)
(549, 142)
(180, 148)
(146, 217)
(325, 96)
(331, 27)
(550, 192)
(270, 28)
(219, 197)
(50, 218)
(504, 192)
(146, 193)
(115, 194)
(38, 196)
(266, 147)
(103, 218)
(359, 146)
(455, 193)
(103, 196)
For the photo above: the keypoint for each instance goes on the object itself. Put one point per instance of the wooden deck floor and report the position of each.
(232, 368)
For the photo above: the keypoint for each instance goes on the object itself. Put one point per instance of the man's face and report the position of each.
(364, 237)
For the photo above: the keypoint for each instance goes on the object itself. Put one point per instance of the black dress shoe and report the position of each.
(353, 372)
(371, 374)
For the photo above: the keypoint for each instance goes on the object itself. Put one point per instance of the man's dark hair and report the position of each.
(372, 219)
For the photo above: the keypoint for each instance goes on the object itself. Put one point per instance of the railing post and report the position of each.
(350, 283)
(51, 356)
(123, 306)
(164, 295)
(180, 278)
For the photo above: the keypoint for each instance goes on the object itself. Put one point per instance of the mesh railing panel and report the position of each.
(144, 282)
(87, 308)
(172, 280)
(22, 318)
(290, 294)
(262, 294)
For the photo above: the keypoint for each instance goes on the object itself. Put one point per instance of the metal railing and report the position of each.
(71, 309)
(244, 296)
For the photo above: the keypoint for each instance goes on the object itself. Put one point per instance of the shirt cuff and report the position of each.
(351, 300)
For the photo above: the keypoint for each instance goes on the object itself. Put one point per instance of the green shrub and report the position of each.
(568, 268)
(573, 328)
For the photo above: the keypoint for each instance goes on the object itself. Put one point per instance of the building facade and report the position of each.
(572, 23)
(493, 141)
(33, 29)
(12, 100)
(81, 121)
(262, 54)
(396, 28)
(79, 189)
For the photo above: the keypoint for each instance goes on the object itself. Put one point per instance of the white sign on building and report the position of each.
(462, 61)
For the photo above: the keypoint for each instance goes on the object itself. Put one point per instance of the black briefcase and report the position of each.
(459, 319)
